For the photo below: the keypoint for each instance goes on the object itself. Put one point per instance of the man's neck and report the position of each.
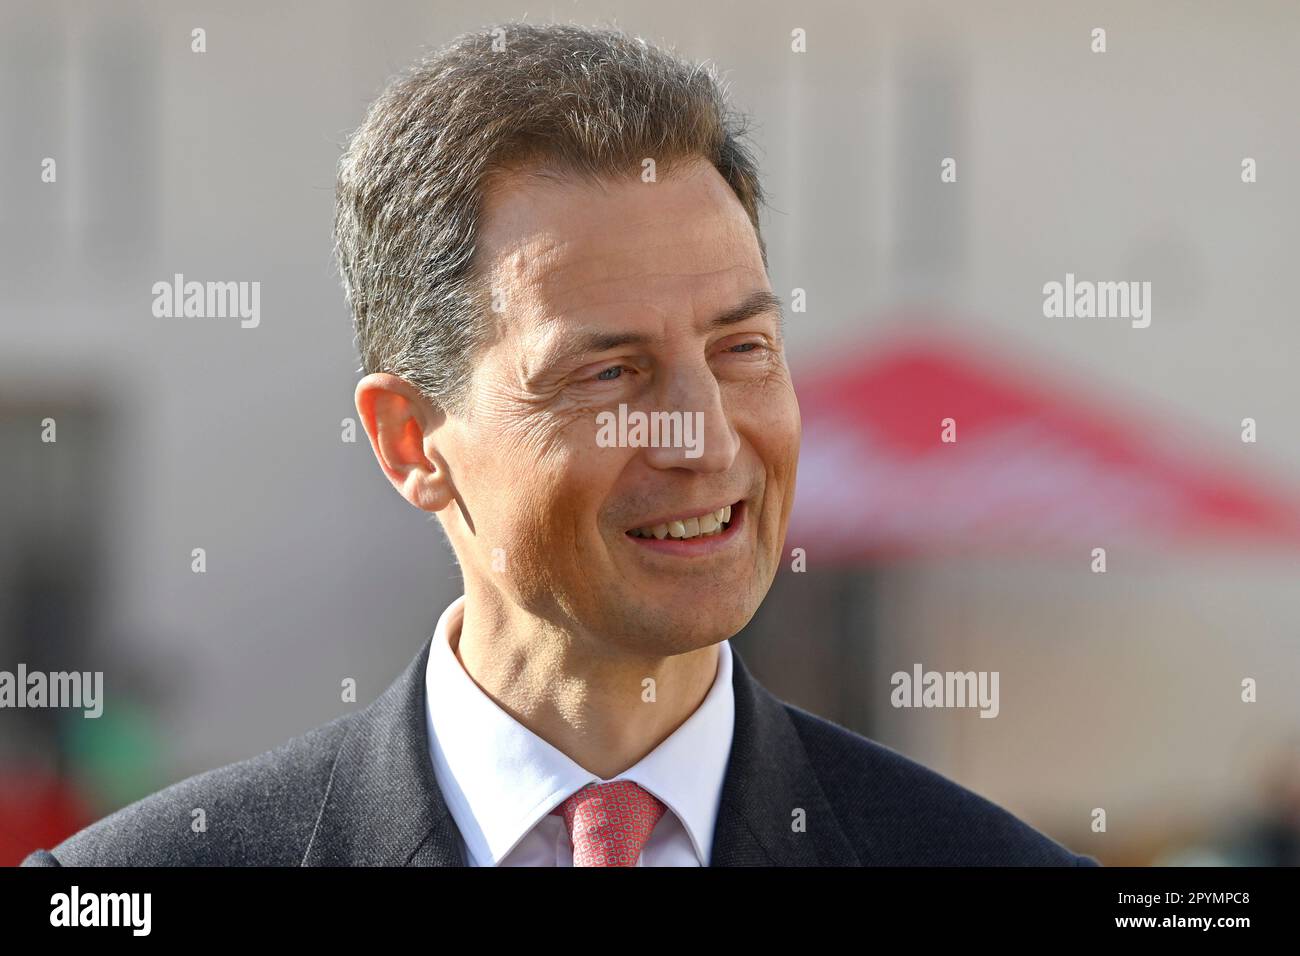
(592, 702)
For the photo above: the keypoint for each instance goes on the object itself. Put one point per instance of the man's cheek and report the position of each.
(790, 429)
(508, 455)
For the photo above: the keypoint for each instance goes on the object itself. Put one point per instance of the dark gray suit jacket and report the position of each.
(360, 790)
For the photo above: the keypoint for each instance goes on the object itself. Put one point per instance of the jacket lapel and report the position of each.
(768, 778)
(383, 806)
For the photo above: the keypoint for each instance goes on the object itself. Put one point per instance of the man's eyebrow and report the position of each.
(756, 303)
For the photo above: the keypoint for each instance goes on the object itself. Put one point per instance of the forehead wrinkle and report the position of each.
(543, 258)
(555, 306)
(641, 298)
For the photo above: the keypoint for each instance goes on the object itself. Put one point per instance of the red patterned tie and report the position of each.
(609, 823)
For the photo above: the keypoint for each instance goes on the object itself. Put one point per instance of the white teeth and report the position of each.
(699, 526)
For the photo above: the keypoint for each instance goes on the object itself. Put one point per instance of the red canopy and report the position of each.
(1036, 466)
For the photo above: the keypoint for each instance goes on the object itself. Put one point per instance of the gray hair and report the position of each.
(513, 97)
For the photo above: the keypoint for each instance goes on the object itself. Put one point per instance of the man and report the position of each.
(541, 229)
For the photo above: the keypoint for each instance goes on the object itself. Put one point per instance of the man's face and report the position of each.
(610, 295)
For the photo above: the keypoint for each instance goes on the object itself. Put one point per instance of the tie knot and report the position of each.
(609, 823)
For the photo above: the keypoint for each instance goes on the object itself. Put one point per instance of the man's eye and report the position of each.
(743, 346)
(605, 376)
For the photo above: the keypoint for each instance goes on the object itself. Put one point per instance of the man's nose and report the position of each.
(707, 441)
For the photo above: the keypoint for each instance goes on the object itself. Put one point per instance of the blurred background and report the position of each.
(1119, 691)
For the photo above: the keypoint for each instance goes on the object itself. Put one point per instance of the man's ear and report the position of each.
(402, 426)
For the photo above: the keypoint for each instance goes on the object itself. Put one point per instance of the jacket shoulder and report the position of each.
(905, 814)
(256, 812)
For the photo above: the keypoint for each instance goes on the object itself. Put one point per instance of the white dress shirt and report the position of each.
(500, 780)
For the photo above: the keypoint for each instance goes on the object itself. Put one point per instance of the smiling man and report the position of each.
(538, 228)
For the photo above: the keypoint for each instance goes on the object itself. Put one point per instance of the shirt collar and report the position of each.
(499, 778)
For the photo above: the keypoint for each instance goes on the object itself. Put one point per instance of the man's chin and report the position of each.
(676, 624)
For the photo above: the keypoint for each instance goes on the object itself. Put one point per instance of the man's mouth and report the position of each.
(705, 524)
